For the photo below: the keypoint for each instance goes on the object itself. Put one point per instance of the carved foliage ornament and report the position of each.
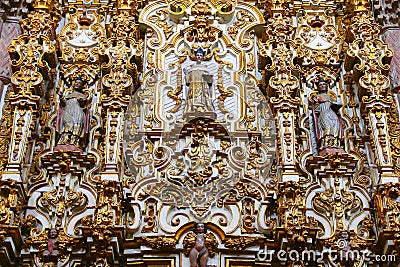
(320, 39)
(5, 130)
(388, 205)
(201, 8)
(33, 54)
(81, 36)
(278, 53)
(119, 80)
(372, 54)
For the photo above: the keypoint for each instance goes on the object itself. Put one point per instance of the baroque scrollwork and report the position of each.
(161, 242)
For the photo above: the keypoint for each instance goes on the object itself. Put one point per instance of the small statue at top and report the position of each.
(199, 82)
(199, 245)
(328, 123)
(50, 254)
(72, 119)
(199, 253)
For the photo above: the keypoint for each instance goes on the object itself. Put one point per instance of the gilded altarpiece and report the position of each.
(199, 136)
(199, 133)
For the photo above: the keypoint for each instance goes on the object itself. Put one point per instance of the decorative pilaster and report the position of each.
(33, 60)
(278, 52)
(387, 207)
(297, 230)
(123, 50)
(33, 56)
(103, 232)
(5, 129)
(373, 56)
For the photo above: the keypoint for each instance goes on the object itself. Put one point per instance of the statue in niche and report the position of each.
(327, 121)
(72, 121)
(199, 82)
(50, 254)
(199, 245)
